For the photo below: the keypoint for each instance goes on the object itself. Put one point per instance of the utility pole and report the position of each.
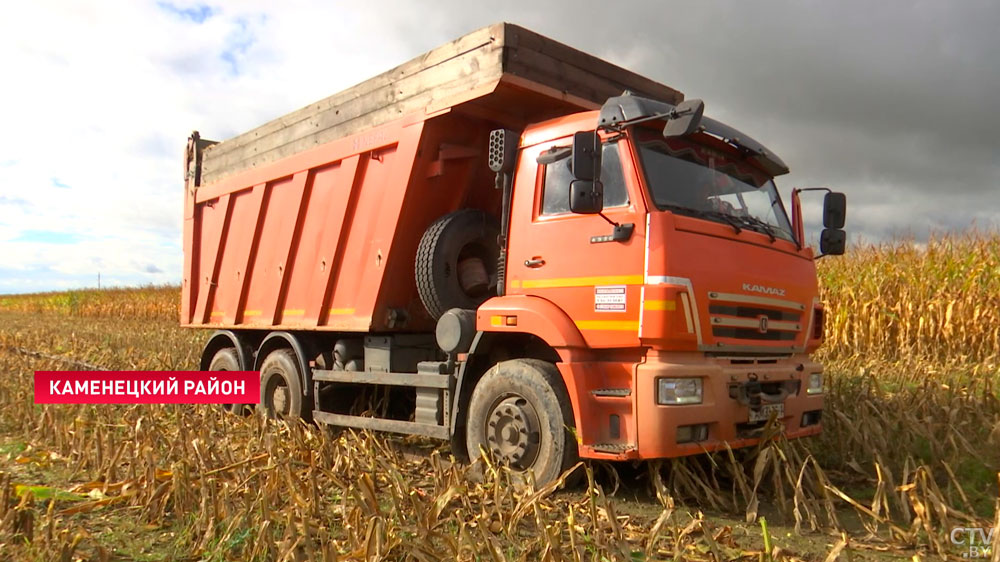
(98, 280)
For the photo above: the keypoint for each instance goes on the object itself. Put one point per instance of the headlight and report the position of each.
(678, 391)
(815, 384)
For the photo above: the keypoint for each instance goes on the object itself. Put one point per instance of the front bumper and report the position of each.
(724, 408)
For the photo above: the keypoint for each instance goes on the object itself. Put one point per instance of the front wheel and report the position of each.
(520, 415)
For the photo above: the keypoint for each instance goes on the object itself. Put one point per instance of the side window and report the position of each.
(615, 194)
(555, 196)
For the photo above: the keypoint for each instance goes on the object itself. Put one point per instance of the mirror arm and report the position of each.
(611, 222)
(667, 115)
(622, 124)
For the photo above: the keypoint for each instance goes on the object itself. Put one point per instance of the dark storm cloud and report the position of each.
(895, 103)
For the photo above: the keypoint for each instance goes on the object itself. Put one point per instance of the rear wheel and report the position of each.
(226, 360)
(281, 387)
(520, 415)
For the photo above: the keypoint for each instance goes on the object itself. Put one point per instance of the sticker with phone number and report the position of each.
(609, 298)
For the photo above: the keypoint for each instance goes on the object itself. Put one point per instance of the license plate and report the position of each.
(766, 411)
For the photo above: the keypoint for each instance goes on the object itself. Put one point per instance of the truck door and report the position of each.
(560, 256)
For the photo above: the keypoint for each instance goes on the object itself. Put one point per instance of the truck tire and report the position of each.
(463, 243)
(520, 414)
(281, 394)
(226, 360)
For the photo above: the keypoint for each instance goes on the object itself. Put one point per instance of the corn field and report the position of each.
(910, 450)
(151, 303)
(899, 302)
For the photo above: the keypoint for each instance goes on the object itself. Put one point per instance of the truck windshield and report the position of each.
(695, 180)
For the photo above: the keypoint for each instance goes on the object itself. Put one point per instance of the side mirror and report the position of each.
(834, 210)
(684, 119)
(586, 160)
(832, 242)
(586, 197)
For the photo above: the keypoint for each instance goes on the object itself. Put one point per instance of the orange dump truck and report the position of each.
(515, 246)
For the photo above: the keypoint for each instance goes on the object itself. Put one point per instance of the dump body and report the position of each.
(312, 221)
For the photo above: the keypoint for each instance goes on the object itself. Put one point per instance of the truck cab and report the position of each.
(691, 303)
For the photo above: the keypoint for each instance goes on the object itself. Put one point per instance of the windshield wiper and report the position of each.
(735, 221)
(724, 217)
(752, 222)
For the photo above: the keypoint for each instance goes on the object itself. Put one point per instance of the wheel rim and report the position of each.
(474, 276)
(277, 396)
(512, 432)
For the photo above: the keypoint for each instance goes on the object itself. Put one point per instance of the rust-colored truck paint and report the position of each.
(423, 233)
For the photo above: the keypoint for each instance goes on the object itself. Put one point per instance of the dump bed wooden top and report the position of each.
(502, 72)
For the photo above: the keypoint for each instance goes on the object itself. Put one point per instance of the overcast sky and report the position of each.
(895, 103)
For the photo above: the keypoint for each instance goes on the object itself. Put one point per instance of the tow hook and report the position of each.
(754, 395)
(753, 391)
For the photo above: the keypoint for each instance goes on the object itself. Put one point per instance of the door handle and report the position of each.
(536, 261)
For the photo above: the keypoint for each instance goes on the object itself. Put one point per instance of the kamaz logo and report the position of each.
(762, 289)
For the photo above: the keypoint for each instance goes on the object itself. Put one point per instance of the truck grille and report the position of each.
(755, 312)
(752, 334)
(759, 319)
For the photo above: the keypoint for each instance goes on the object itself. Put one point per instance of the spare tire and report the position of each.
(456, 263)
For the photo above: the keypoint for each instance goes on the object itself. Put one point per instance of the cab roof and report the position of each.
(628, 108)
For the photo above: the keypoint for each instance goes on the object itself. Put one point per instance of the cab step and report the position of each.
(613, 448)
(612, 392)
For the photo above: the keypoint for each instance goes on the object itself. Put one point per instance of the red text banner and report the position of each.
(147, 387)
